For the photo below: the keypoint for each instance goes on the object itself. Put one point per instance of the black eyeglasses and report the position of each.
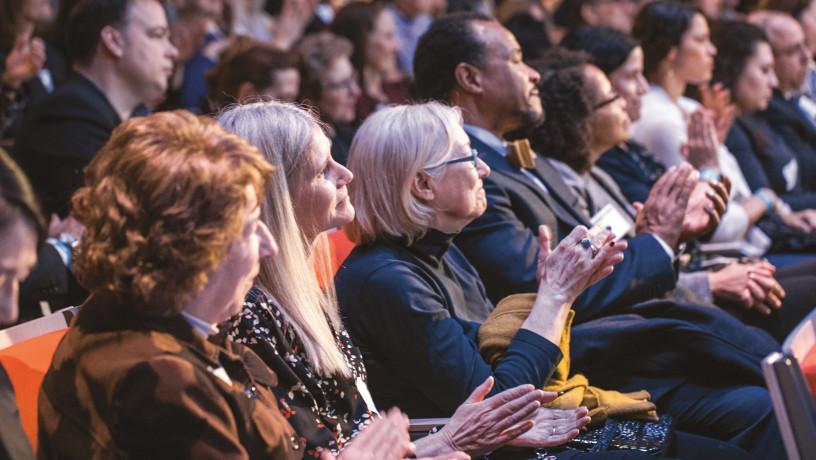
(606, 102)
(474, 156)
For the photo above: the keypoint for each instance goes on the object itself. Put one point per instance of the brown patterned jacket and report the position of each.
(122, 386)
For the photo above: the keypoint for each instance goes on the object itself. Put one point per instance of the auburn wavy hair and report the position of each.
(165, 197)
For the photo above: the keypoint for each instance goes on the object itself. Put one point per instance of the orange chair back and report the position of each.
(341, 247)
(26, 363)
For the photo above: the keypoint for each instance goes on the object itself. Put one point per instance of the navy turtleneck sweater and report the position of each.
(414, 312)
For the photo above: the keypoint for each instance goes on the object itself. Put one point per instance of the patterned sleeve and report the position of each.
(326, 412)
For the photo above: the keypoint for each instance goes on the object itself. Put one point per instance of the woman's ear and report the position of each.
(422, 187)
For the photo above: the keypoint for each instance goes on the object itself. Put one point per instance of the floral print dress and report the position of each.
(325, 411)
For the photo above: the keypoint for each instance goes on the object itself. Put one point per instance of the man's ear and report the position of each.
(421, 187)
(112, 41)
(468, 77)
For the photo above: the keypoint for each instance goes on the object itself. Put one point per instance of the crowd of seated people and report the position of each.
(565, 215)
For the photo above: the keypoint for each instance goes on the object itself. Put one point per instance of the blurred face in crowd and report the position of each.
(340, 92)
(807, 19)
(711, 8)
(628, 81)
(508, 84)
(381, 53)
(458, 195)
(210, 8)
(320, 196)
(754, 87)
(791, 53)
(694, 57)
(287, 84)
(615, 14)
(233, 277)
(610, 121)
(18, 253)
(39, 11)
(146, 54)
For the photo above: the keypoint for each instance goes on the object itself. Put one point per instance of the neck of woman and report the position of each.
(671, 83)
(373, 83)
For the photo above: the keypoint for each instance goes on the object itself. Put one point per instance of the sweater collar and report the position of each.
(433, 245)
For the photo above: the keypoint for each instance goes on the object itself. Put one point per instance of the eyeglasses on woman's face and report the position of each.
(614, 97)
(473, 157)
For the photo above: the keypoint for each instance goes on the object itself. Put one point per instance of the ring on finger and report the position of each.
(587, 244)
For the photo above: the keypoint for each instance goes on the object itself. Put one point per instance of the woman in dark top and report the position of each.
(21, 229)
(412, 302)
(745, 65)
(291, 320)
(584, 117)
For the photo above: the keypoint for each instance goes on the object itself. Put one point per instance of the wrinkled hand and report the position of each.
(385, 438)
(553, 427)
(717, 100)
(752, 286)
(705, 207)
(482, 425)
(665, 208)
(24, 61)
(569, 269)
(701, 147)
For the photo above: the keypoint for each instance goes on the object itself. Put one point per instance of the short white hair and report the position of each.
(391, 147)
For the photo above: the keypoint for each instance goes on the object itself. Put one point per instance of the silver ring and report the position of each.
(587, 244)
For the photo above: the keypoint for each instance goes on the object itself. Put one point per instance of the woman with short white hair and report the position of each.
(410, 299)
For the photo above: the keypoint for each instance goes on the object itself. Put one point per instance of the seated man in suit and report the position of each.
(501, 244)
(790, 113)
(471, 61)
(122, 56)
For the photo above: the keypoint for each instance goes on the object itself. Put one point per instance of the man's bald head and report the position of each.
(787, 39)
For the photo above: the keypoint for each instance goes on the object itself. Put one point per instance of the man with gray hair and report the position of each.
(791, 112)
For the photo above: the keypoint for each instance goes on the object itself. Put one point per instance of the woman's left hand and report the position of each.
(553, 427)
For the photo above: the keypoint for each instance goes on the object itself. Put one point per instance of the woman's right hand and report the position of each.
(570, 268)
(386, 438)
(482, 425)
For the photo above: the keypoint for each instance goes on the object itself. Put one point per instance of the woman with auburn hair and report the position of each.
(294, 326)
(172, 207)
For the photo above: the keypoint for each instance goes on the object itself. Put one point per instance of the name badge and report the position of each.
(362, 388)
(610, 217)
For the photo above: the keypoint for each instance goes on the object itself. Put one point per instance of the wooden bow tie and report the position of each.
(520, 154)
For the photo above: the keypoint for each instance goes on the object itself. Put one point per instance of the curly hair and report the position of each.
(565, 132)
(165, 197)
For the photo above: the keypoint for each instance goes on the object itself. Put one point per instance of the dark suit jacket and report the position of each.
(503, 245)
(763, 154)
(60, 137)
(14, 444)
(786, 120)
(123, 386)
